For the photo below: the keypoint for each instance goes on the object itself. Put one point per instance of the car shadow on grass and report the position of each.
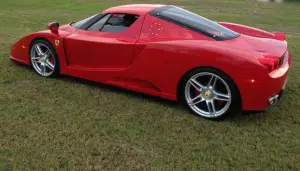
(244, 116)
(124, 91)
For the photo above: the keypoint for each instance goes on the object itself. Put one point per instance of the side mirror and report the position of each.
(53, 27)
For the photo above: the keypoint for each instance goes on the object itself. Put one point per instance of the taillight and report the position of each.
(270, 62)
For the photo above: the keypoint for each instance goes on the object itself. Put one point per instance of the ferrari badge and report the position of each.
(57, 42)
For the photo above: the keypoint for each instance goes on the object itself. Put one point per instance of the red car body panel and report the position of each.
(153, 55)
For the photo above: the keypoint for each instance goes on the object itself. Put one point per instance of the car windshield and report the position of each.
(80, 23)
(195, 22)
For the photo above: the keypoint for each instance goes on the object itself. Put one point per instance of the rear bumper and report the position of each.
(264, 94)
(273, 100)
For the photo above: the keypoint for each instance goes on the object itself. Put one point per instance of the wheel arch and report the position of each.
(36, 39)
(53, 50)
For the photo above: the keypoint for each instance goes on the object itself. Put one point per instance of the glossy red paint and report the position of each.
(153, 55)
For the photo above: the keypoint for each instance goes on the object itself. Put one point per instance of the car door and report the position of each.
(106, 44)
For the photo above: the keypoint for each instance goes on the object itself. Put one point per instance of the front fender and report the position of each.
(20, 50)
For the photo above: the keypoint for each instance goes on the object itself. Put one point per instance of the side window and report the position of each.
(119, 22)
(79, 24)
(99, 24)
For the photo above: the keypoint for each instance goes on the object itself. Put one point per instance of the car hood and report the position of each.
(265, 46)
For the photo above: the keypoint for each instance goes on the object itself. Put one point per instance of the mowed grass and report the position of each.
(71, 124)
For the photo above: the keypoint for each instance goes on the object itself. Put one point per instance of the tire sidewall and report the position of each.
(50, 46)
(235, 106)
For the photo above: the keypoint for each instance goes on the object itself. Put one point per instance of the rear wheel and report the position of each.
(210, 93)
(44, 59)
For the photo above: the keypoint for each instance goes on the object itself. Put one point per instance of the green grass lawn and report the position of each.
(71, 124)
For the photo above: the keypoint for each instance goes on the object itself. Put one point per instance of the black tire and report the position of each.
(46, 43)
(235, 105)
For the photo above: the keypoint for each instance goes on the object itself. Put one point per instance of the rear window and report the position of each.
(194, 22)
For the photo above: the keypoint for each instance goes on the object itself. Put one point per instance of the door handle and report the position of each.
(122, 40)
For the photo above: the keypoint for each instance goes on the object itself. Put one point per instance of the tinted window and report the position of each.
(99, 24)
(119, 22)
(79, 24)
(195, 22)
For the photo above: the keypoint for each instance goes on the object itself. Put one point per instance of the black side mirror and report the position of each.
(53, 27)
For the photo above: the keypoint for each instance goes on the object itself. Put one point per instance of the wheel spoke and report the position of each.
(208, 107)
(39, 50)
(196, 100)
(49, 65)
(222, 97)
(212, 82)
(211, 107)
(34, 58)
(196, 85)
(47, 53)
(43, 69)
(37, 62)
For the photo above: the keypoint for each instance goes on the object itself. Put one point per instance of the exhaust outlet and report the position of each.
(273, 99)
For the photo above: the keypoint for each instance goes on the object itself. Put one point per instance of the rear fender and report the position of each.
(172, 60)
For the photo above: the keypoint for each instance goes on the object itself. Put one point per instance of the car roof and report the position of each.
(140, 9)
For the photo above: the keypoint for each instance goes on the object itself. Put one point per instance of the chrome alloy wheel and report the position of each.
(208, 95)
(42, 59)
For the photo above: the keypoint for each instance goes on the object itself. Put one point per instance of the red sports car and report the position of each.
(214, 68)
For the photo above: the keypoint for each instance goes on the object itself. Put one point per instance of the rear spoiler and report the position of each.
(251, 31)
(279, 35)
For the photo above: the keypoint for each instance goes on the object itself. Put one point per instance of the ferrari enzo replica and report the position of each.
(214, 68)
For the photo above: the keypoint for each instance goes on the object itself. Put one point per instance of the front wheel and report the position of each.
(210, 93)
(44, 59)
